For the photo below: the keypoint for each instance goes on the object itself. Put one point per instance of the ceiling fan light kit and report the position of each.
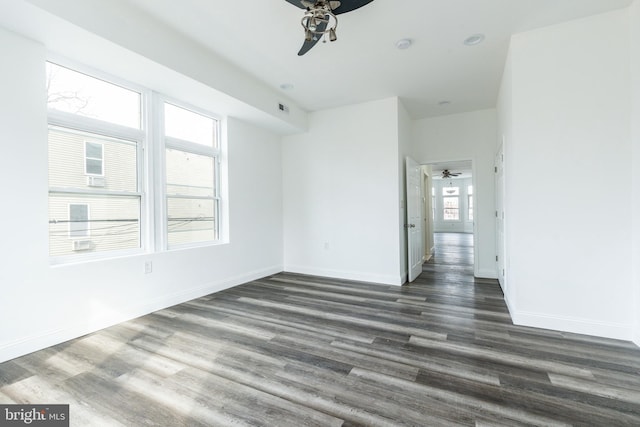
(320, 20)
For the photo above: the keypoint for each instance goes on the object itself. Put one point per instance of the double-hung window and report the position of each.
(104, 164)
(192, 158)
(95, 158)
(451, 203)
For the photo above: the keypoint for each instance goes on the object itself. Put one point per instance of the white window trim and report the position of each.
(82, 124)
(86, 158)
(151, 145)
(167, 142)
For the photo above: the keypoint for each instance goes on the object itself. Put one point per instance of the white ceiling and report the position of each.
(264, 36)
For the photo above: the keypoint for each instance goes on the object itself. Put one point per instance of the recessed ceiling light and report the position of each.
(286, 86)
(474, 39)
(404, 44)
(444, 103)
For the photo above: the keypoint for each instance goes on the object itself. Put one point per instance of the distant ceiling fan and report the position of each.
(447, 174)
(320, 18)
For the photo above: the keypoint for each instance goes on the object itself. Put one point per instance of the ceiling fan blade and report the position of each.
(308, 44)
(297, 3)
(349, 5)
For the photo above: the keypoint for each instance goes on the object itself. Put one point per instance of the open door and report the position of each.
(415, 250)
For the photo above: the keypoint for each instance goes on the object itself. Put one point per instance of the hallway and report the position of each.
(453, 249)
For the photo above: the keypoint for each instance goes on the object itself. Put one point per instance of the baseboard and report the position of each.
(511, 307)
(611, 330)
(347, 275)
(20, 347)
(636, 336)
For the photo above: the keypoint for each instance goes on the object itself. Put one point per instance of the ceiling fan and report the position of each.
(447, 174)
(320, 18)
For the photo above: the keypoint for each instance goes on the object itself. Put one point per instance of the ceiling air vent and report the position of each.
(283, 108)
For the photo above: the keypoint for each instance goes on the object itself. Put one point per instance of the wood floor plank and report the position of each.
(301, 350)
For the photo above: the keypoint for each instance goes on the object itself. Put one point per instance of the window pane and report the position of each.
(189, 126)
(94, 150)
(78, 220)
(470, 208)
(112, 223)
(191, 220)
(191, 204)
(77, 93)
(470, 189)
(94, 167)
(451, 202)
(68, 166)
(450, 191)
(451, 215)
(189, 174)
(451, 210)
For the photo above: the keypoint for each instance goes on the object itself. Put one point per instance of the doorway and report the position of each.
(450, 201)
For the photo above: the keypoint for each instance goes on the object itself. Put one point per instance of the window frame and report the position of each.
(77, 123)
(173, 143)
(88, 227)
(87, 158)
(445, 208)
(151, 145)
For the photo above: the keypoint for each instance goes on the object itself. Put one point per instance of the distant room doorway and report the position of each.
(452, 201)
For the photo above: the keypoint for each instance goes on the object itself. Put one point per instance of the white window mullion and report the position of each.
(159, 185)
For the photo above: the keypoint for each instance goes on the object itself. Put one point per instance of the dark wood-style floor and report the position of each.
(294, 350)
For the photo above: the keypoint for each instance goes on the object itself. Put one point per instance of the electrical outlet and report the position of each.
(148, 267)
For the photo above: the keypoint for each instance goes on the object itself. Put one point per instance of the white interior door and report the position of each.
(415, 250)
(500, 249)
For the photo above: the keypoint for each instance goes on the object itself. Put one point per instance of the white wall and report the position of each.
(44, 305)
(341, 194)
(635, 129)
(467, 136)
(568, 173)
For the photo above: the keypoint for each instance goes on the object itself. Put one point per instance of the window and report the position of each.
(451, 203)
(78, 221)
(451, 208)
(82, 95)
(99, 170)
(93, 155)
(92, 124)
(192, 182)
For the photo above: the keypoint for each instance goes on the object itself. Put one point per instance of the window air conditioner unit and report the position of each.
(81, 245)
(95, 181)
